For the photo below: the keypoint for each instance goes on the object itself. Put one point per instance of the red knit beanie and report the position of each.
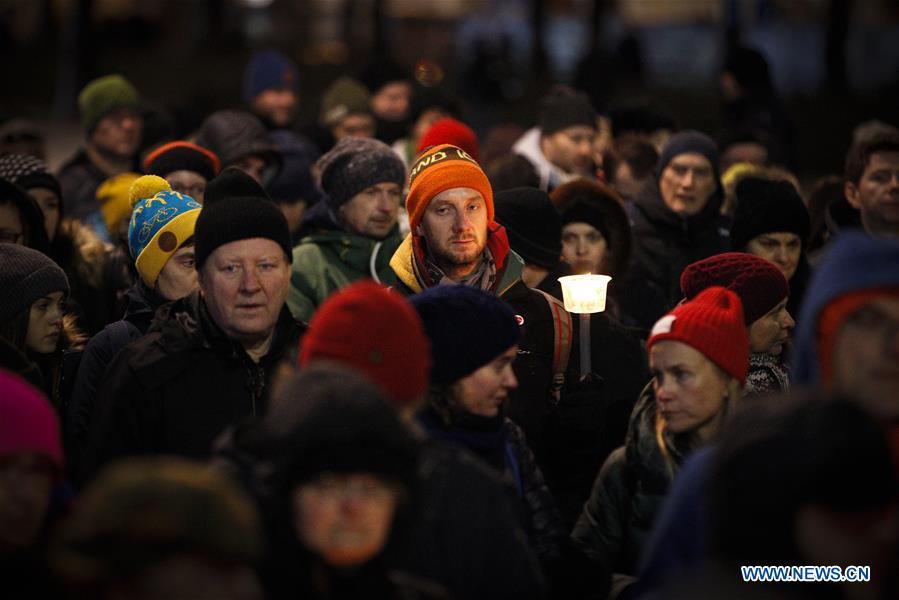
(712, 323)
(377, 332)
(28, 422)
(758, 282)
(450, 131)
(439, 169)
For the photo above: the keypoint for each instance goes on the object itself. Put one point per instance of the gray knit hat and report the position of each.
(355, 164)
(26, 276)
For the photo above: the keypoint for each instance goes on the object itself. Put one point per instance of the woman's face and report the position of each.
(584, 248)
(485, 390)
(49, 203)
(768, 334)
(783, 249)
(45, 324)
(345, 518)
(690, 389)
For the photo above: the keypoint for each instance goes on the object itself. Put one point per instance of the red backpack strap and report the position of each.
(562, 328)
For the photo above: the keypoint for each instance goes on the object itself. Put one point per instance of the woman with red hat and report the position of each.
(699, 357)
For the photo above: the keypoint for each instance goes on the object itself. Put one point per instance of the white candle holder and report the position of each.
(585, 295)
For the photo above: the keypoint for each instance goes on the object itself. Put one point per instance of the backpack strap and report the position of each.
(562, 328)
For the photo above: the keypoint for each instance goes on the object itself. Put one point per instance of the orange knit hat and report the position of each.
(439, 169)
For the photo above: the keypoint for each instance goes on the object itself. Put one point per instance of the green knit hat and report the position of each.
(104, 95)
(344, 97)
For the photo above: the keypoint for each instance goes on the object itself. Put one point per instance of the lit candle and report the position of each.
(584, 295)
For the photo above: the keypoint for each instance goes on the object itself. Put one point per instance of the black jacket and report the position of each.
(665, 243)
(628, 493)
(99, 352)
(178, 387)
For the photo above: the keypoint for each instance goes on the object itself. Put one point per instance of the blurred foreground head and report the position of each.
(160, 528)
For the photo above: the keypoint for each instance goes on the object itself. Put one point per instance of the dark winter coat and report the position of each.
(178, 387)
(628, 493)
(665, 243)
(502, 446)
(99, 352)
(591, 417)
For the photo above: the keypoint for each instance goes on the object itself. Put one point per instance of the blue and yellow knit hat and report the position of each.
(159, 226)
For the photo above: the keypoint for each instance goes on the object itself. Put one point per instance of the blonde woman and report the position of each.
(699, 357)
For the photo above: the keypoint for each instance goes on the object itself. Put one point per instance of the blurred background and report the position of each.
(833, 63)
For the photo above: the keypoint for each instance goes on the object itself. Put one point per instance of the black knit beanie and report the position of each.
(765, 206)
(356, 164)
(566, 109)
(689, 141)
(237, 208)
(532, 223)
(26, 276)
(233, 183)
(468, 328)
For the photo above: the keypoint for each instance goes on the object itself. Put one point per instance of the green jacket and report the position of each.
(325, 261)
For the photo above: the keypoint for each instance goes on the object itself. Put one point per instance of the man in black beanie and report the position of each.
(211, 356)
(561, 146)
(676, 220)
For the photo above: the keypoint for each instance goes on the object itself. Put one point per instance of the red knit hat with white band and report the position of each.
(712, 323)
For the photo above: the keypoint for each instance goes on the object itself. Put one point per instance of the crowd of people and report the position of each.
(332, 360)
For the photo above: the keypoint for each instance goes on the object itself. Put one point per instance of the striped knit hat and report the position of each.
(439, 169)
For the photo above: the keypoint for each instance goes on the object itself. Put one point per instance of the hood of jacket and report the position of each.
(853, 262)
(408, 261)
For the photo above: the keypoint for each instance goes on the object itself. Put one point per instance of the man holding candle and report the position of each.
(455, 240)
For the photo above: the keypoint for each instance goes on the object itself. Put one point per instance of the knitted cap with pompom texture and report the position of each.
(377, 332)
(712, 323)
